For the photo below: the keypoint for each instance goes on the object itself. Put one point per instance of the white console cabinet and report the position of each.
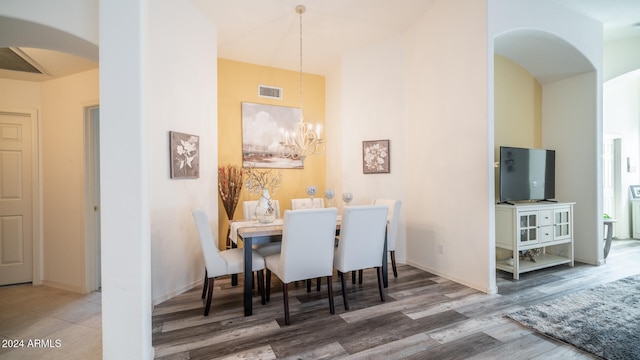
(525, 226)
(635, 218)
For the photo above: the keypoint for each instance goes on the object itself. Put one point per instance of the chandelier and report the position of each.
(305, 138)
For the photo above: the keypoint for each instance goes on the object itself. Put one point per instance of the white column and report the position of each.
(126, 280)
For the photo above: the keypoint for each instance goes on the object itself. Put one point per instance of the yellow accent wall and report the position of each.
(518, 108)
(238, 82)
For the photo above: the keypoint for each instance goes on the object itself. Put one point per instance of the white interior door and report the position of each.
(16, 205)
(608, 177)
(92, 196)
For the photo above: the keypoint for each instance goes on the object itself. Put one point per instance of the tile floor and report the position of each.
(40, 322)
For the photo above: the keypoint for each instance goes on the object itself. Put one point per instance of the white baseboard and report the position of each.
(176, 292)
(57, 285)
(489, 291)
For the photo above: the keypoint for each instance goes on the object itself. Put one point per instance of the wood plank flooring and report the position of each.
(424, 317)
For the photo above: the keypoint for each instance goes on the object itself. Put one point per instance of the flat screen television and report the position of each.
(527, 174)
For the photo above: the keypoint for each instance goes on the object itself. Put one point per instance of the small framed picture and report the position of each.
(185, 155)
(375, 157)
(635, 191)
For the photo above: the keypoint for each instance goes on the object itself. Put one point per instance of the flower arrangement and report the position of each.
(258, 180)
(229, 187)
(375, 156)
(187, 151)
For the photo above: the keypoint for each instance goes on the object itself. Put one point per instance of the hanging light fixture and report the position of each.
(305, 139)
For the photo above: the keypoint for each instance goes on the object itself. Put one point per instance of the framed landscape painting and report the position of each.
(264, 128)
(375, 157)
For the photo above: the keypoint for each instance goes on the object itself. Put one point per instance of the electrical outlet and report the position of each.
(441, 248)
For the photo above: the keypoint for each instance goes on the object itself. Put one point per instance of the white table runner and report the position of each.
(236, 225)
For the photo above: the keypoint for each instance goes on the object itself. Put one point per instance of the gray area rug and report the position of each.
(604, 320)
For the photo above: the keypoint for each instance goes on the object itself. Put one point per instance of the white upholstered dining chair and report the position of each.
(308, 238)
(226, 262)
(249, 213)
(361, 244)
(307, 203)
(392, 227)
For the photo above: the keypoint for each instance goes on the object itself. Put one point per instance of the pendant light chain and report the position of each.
(305, 138)
(300, 9)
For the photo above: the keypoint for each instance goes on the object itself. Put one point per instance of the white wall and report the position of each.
(333, 126)
(620, 57)
(189, 105)
(373, 109)
(571, 125)
(63, 177)
(19, 94)
(621, 115)
(449, 171)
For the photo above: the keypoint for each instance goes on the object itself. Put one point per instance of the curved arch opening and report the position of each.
(564, 109)
(546, 56)
(53, 52)
(23, 33)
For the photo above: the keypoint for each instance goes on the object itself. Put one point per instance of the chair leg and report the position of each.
(206, 281)
(308, 281)
(353, 277)
(332, 307)
(209, 296)
(285, 295)
(393, 263)
(318, 283)
(260, 275)
(360, 272)
(268, 287)
(344, 291)
(379, 268)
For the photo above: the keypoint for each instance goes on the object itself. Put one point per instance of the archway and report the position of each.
(571, 124)
(48, 242)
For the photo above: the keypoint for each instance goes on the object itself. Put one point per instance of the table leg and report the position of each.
(234, 277)
(248, 276)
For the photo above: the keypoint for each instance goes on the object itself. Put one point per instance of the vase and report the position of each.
(265, 211)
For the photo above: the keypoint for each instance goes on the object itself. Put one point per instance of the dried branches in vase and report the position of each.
(259, 180)
(229, 186)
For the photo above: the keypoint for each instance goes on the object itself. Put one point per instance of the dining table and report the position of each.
(251, 232)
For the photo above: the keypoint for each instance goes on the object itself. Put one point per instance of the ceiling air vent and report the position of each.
(270, 92)
(14, 59)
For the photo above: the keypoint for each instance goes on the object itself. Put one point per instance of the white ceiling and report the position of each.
(266, 32)
(617, 16)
